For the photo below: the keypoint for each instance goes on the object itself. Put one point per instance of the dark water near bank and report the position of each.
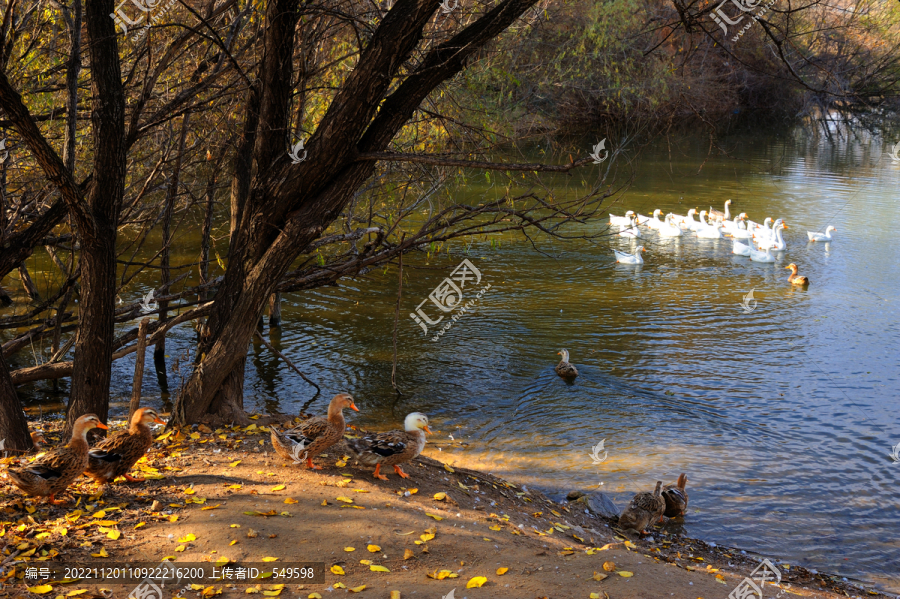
(783, 418)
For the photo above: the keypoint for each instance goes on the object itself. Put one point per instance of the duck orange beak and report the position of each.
(426, 429)
(103, 426)
(784, 226)
(787, 267)
(353, 407)
(158, 420)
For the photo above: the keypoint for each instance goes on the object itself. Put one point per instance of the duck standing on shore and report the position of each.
(393, 447)
(676, 498)
(117, 455)
(53, 472)
(564, 369)
(643, 510)
(315, 435)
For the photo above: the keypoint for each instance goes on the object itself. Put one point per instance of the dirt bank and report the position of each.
(224, 494)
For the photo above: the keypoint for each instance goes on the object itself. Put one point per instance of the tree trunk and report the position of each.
(275, 310)
(28, 284)
(94, 348)
(159, 352)
(138, 368)
(13, 425)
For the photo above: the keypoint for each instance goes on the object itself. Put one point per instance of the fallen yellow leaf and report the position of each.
(625, 574)
(76, 593)
(495, 527)
(408, 554)
(395, 594)
(476, 582)
(373, 548)
(358, 589)
(502, 571)
(187, 538)
(609, 566)
(344, 499)
(314, 596)
(102, 553)
(595, 595)
(378, 569)
(42, 589)
(440, 496)
(438, 518)
(337, 570)
(278, 488)
(349, 549)
(599, 577)
(290, 500)
(272, 593)
(449, 469)
(210, 507)
(234, 464)
(114, 535)
(270, 559)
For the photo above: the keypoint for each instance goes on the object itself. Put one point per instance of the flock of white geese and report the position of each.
(765, 236)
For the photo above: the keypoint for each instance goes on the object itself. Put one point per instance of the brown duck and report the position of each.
(676, 498)
(793, 278)
(117, 455)
(314, 436)
(54, 471)
(564, 369)
(393, 447)
(643, 510)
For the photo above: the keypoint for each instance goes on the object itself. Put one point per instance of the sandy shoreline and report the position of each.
(224, 494)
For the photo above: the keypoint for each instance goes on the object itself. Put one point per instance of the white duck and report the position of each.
(826, 236)
(631, 231)
(707, 231)
(765, 256)
(669, 228)
(741, 249)
(776, 242)
(622, 221)
(623, 258)
(763, 230)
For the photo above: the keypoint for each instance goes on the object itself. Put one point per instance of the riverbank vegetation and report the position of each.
(311, 141)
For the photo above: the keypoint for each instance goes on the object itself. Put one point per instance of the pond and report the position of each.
(783, 416)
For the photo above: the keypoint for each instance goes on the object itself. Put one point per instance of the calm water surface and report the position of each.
(783, 418)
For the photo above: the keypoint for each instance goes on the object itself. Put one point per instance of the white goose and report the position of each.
(765, 256)
(631, 231)
(723, 216)
(741, 249)
(687, 222)
(776, 242)
(741, 232)
(652, 223)
(623, 258)
(707, 231)
(622, 221)
(669, 228)
(763, 230)
(826, 236)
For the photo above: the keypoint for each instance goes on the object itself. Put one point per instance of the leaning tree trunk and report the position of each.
(13, 425)
(289, 206)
